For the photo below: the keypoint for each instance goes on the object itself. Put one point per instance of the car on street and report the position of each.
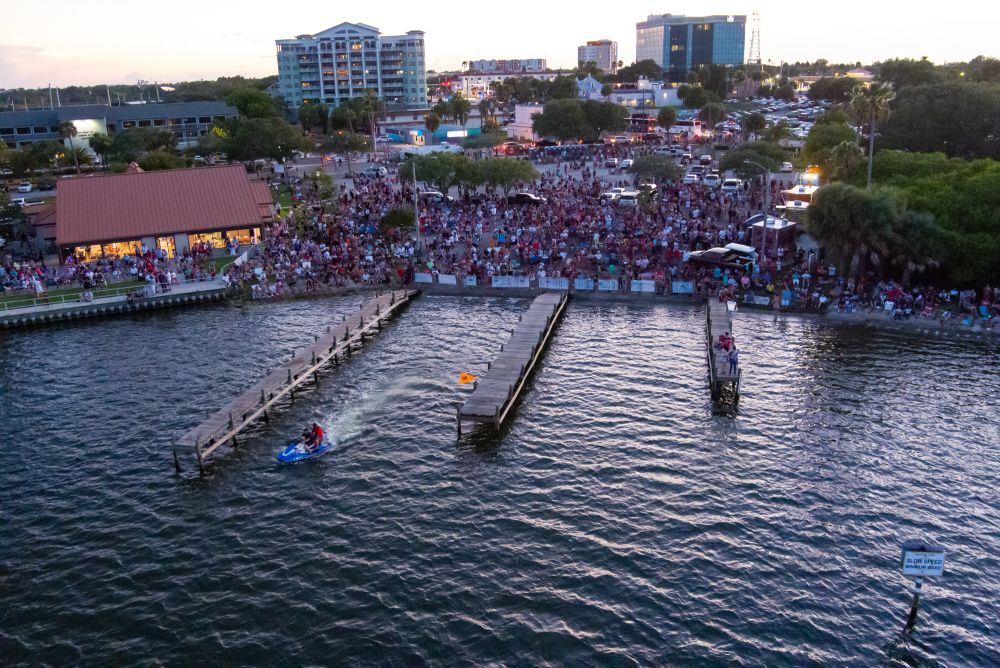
(25, 187)
(786, 167)
(612, 194)
(626, 163)
(712, 181)
(705, 159)
(435, 196)
(525, 198)
(629, 198)
(375, 170)
(731, 185)
(651, 187)
(20, 202)
(611, 163)
(691, 179)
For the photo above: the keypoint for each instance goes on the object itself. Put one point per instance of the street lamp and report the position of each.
(767, 201)
(767, 184)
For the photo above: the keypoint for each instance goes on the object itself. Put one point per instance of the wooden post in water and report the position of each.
(177, 461)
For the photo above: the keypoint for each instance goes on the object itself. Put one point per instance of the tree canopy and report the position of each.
(958, 119)
(823, 138)
(253, 103)
(572, 119)
(767, 154)
(963, 197)
(835, 89)
(656, 168)
(252, 138)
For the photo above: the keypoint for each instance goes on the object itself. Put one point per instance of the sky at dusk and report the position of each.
(117, 42)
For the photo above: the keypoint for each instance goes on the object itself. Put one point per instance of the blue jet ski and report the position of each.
(297, 451)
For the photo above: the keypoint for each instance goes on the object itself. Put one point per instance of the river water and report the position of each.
(621, 519)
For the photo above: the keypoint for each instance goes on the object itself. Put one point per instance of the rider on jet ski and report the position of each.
(313, 438)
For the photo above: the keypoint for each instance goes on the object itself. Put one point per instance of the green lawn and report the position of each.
(284, 198)
(8, 300)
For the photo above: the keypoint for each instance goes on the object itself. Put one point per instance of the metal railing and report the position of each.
(76, 295)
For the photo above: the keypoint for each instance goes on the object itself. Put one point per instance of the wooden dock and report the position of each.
(225, 424)
(718, 322)
(494, 396)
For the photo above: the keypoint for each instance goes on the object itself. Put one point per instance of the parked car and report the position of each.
(647, 186)
(712, 181)
(375, 170)
(691, 178)
(731, 185)
(787, 167)
(628, 198)
(525, 198)
(626, 163)
(25, 187)
(611, 163)
(705, 159)
(696, 169)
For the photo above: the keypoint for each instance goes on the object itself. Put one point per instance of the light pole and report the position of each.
(767, 184)
(767, 201)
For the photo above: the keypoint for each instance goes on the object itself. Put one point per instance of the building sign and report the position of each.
(922, 560)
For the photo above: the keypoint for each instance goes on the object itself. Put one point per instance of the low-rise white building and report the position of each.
(521, 127)
(478, 85)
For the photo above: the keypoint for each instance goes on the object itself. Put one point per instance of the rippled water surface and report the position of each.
(620, 520)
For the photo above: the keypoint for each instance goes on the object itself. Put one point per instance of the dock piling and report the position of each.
(225, 425)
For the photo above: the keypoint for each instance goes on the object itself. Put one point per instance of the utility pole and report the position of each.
(416, 205)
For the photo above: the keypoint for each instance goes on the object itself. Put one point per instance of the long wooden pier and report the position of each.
(494, 396)
(718, 322)
(224, 425)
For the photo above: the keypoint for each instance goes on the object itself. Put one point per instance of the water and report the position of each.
(620, 520)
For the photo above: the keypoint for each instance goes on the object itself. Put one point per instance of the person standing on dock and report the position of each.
(734, 359)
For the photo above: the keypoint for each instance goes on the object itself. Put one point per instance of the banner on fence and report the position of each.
(682, 287)
(423, 277)
(447, 279)
(760, 300)
(470, 281)
(550, 283)
(608, 285)
(643, 286)
(583, 284)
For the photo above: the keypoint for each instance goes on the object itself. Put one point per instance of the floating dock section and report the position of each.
(719, 321)
(225, 425)
(494, 396)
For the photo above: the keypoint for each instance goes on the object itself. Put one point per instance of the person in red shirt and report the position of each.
(314, 436)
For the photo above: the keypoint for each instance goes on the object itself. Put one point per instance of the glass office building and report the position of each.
(680, 44)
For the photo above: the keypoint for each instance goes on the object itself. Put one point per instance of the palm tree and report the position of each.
(845, 158)
(432, 122)
(487, 119)
(67, 131)
(100, 144)
(871, 105)
(460, 108)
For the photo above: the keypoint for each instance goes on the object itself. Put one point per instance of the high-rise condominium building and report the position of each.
(680, 44)
(344, 61)
(603, 52)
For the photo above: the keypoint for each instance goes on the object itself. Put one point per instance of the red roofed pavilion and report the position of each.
(172, 210)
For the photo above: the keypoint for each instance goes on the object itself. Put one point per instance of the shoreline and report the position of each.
(878, 319)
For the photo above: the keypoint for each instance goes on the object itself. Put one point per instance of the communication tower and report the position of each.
(754, 57)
